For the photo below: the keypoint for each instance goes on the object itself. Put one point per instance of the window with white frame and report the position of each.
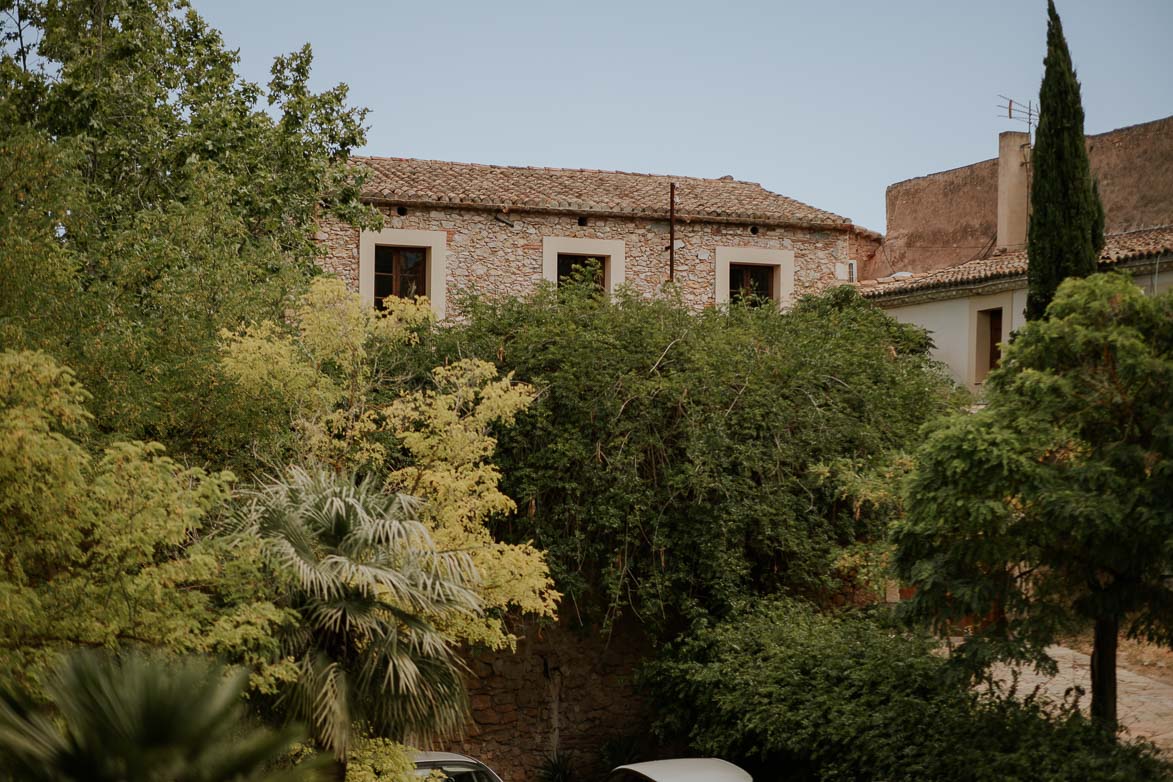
(562, 254)
(765, 272)
(403, 262)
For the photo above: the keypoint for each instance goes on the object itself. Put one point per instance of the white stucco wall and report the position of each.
(946, 325)
(953, 323)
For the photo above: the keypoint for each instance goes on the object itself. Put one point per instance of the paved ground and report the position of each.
(1144, 705)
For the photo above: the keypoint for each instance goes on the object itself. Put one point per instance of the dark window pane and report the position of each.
(995, 337)
(412, 257)
(400, 271)
(747, 281)
(384, 287)
(412, 268)
(384, 263)
(567, 264)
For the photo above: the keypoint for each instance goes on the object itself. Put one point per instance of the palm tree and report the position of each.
(136, 719)
(367, 582)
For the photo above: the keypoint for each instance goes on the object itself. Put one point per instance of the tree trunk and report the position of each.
(337, 770)
(1104, 672)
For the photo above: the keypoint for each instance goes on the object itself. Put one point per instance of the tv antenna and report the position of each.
(1026, 112)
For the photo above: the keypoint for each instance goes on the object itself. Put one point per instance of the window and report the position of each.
(400, 271)
(560, 254)
(568, 264)
(434, 247)
(989, 335)
(766, 272)
(751, 282)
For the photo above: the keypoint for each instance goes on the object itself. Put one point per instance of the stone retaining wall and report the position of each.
(565, 689)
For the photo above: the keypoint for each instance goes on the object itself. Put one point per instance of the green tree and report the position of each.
(156, 203)
(1066, 231)
(365, 580)
(691, 459)
(1053, 505)
(105, 550)
(331, 384)
(137, 719)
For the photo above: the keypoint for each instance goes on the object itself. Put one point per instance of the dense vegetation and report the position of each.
(157, 220)
(798, 694)
(205, 451)
(148, 200)
(689, 460)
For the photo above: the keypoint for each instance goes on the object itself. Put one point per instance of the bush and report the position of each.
(796, 694)
(676, 462)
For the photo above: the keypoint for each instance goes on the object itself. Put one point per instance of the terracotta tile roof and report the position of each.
(576, 190)
(1133, 245)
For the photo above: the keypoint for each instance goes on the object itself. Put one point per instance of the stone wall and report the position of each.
(947, 218)
(862, 247)
(1135, 169)
(490, 257)
(938, 220)
(565, 689)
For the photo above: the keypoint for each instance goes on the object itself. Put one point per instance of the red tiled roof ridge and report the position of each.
(557, 169)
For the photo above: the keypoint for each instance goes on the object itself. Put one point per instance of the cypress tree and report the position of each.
(1066, 223)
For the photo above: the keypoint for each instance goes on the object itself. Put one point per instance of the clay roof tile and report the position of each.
(1133, 245)
(582, 190)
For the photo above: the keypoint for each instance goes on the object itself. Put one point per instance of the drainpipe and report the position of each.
(672, 232)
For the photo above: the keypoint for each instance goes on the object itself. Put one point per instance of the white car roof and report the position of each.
(440, 757)
(689, 770)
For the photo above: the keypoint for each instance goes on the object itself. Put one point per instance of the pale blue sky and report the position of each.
(827, 102)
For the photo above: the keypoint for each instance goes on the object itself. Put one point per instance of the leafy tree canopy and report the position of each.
(674, 462)
(102, 551)
(795, 693)
(1053, 505)
(153, 201)
(330, 388)
(365, 580)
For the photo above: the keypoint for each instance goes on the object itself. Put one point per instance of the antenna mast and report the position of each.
(1019, 111)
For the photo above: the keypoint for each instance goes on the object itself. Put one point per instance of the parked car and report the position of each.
(680, 770)
(458, 768)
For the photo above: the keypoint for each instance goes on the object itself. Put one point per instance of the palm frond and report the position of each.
(368, 579)
(141, 718)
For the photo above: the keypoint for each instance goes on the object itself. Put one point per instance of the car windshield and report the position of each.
(456, 771)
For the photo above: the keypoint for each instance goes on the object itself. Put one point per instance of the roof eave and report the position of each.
(1001, 283)
(684, 217)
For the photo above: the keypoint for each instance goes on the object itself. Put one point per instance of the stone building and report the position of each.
(954, 261)
(496, 230)
(950, 217)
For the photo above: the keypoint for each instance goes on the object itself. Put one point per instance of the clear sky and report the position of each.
(825, 101)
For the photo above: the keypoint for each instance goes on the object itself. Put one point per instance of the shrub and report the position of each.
(675, 462)
(796, 694)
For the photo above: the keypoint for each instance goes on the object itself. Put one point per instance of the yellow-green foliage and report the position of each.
(446, 433)
(316, 382)
(320, 382)
(380, 760)
(100, 550)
